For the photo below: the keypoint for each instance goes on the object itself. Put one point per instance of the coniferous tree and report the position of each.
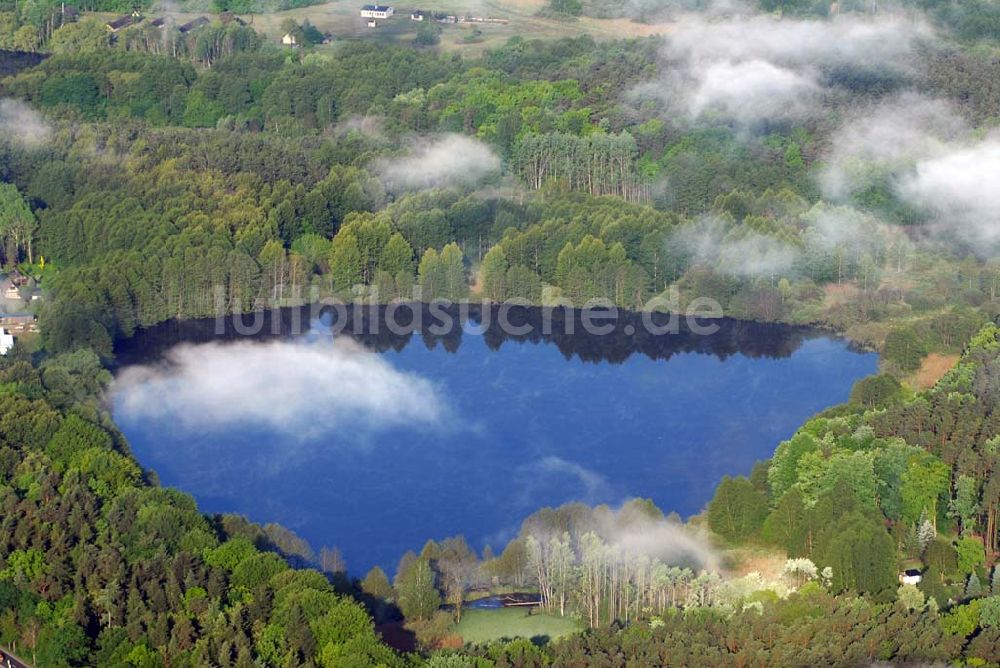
(737, 510)
(973, 588)
(376, 584)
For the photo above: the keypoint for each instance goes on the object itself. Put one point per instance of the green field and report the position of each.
(484, 625)
(341, 18)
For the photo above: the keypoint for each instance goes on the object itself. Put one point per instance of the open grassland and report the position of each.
(932, 369)
(744, 560)
(341, 18)
(484, 625)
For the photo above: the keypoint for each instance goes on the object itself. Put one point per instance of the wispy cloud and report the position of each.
(750, 254)
(749, 69)
(663, 539)
(538, 477)
(850, 40)
(961, 189)
(369, 126)
(23, 124)
(298, 388)
(878, 141)
(631, 529)
(753, 90)
(592, 485)
(443, 161)
(920, 150)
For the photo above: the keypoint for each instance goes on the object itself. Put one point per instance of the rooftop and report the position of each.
(191, 25)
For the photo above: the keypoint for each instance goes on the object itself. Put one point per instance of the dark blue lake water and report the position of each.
(377, 452)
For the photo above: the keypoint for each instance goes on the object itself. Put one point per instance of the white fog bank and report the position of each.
(297, 388)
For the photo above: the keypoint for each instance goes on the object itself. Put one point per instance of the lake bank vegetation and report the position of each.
(856, 496)
(888, 483)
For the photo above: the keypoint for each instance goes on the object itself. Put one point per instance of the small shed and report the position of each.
(417, 15)
(288, 39)
(191, 25)
(121, 22)
(6, 341)
(911, 576)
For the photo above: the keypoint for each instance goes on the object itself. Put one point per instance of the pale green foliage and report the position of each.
(230, 554)
(989, 612)
(271, 644)
(452, 262)
(910, 597)
(432, 280)
(24, 566)
(493, 273)
(962, 620)
(346, 262)
(376, 583)
(817, 475)
(785, 463)
(415, 592)
(924, 482)
(971, 554)
(84, 36)
(396, 257)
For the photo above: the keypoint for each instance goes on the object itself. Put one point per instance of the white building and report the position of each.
(417, 16)
(6, 341)
(911, 576)
(289, 39)
(376, 11)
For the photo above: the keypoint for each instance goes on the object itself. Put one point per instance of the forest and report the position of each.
(294, 197)
(152, 176)
(103, 566)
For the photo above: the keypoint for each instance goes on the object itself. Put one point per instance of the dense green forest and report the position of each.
(235, 180)
(889, 479)
(101, 566)
(148, 176)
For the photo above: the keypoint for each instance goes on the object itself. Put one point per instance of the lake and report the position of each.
(374, 441)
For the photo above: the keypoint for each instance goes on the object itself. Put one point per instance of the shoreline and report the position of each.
(381, 327)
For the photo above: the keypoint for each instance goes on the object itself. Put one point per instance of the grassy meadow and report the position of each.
(341, 18)
(480, 626)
